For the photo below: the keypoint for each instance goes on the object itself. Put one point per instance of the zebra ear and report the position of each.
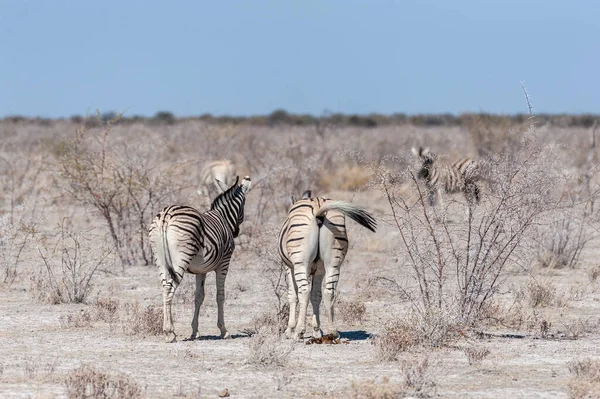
(246, 183)
(221, 185)
(306, 194)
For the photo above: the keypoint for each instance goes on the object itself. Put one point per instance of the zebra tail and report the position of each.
(165, 254)
(354, 212)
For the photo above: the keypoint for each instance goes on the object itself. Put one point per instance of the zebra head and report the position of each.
(230, 204)
(427, 157)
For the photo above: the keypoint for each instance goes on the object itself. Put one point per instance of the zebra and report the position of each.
(216, 177)
(184, 240)
(445, 177)
(313, 241)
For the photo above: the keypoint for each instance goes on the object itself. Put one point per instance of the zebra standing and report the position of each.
(185, 240)
(215, 178)
(444, 177)
(313, 241)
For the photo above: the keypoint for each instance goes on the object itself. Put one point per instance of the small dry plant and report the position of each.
(87, 382)
(476, 353)
(540, 293)
(351, 312)
(81, 319)
(396, 338)
(585, 382)
(18, 228)
(70, 266)
(267, 347)
(417, 381)
(138, 320)
(372, 389)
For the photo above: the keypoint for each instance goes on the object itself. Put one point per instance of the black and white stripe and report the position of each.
(185, 240)
(313, 242)
(444, 177)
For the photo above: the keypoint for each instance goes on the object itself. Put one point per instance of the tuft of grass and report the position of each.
(541, 293)
(351, 312)
(81, 319)
(397, 338)
(586, 378)
(138, 320)
(345, 178)
(476, 354)
(268, 349)
(87, 382)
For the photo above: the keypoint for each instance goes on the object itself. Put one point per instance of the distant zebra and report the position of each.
(444, 177)
(313, 241)
(216, 177)
(185, 240)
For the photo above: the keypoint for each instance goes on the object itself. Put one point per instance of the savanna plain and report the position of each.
(500, 300)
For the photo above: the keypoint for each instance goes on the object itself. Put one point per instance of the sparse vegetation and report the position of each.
(528, 271)
(87, 382)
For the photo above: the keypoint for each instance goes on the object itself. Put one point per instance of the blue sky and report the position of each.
(60, 58)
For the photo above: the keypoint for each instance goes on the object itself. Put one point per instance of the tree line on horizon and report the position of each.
(281, 117)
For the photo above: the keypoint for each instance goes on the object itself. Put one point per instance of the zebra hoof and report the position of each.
(226, 335)
(170, 337)
(317, 333)
(298, 336)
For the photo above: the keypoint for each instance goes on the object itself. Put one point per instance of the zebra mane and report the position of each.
(224, 196)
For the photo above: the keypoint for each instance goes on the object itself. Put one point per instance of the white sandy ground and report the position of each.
(36, 353)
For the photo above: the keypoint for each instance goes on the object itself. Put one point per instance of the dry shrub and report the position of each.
(417, 381)
(106, 310)
(594, 273)
(351, 312)
(345, 177)
(69, 266)
(124, 183)
(275, 321)
(396, 338)
(87, 382)
(562, 242)
(81, 319)
(541, 293)
(586, 378)
(267, 348)
(492, 135)
(138, 320)
(18, 228)
(372, 389)
(475, 354)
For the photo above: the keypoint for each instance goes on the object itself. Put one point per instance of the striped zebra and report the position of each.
(185, 240)
(313, 241)
(444, 177)
(216, 177)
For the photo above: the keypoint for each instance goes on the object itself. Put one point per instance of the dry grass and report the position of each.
(585, 382)
(267, 348)
(351, 312)
(139, 320)
(87, 382)
(396, 338)
(476, 353)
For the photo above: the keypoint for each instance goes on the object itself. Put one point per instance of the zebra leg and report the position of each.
(198, 299)
(301, 276)
(292, 300)
(315, 299)
(169, 287)
(221, 274)
(331, 280)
